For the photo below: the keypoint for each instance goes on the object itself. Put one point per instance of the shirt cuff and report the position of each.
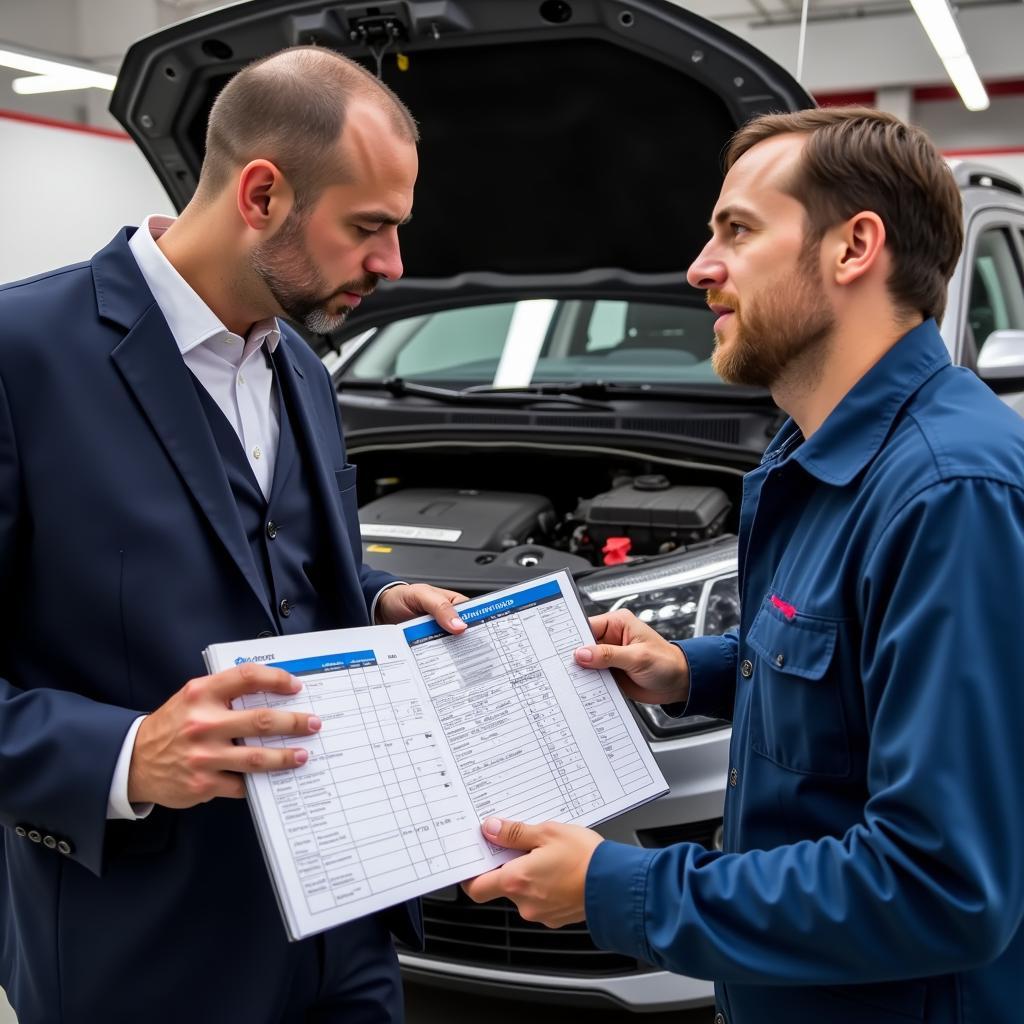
(615, 897)
(707, 656)
(373, 606)
(118, 804)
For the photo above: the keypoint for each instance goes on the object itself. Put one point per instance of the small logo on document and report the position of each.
(258, 657)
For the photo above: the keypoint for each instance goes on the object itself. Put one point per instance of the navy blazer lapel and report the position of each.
(150, 363)
(312, 444)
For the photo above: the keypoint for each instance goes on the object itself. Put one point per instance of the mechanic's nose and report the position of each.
(705, 271)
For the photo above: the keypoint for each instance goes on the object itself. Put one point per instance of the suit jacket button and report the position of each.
(49, 842)
(20, 831)
(719, 1018)
(35, 835)
(746, 668)
(734, 777)
(265, 634)
(285, 607)
(65, 847)
(271, 529)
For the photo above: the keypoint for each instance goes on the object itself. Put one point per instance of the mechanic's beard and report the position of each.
(285, 267)
(776, 331)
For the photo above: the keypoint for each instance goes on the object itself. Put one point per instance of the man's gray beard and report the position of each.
(319, 321)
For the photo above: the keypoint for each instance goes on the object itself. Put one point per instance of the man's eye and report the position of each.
(367, 231)
(738, 229)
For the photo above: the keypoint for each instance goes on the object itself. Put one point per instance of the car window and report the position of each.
(545, 340)
(997, 286)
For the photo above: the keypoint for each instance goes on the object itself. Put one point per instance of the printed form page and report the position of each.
(425, 734)
(535, 736)
(378, 814)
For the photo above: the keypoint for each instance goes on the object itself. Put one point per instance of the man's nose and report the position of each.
(705, 271)
(385, 260)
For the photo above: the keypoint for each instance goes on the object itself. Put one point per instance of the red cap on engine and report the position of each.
(616, 550)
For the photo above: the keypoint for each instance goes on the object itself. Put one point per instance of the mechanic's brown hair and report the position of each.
(856, 159)
(289, 108)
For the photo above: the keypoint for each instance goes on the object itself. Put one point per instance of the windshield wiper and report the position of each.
(601, 389)
(483, 394)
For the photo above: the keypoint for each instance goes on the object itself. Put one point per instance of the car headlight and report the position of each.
(681, 596)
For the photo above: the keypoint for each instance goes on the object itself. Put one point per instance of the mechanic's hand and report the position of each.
(411, 599)
(183, 752)
(649, 668)
(549, 882)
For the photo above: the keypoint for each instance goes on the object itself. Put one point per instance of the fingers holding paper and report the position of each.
(407, 600)
(646, 666)
(184, 752)
(548, 882)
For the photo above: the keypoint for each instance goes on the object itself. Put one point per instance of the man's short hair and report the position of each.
(858, 159)
(290, 108)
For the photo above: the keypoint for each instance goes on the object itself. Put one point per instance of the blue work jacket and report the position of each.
(874, 817)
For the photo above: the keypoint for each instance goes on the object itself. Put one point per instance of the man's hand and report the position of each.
(645, 665)
(397, 604)
(548, 883)
(183, 753)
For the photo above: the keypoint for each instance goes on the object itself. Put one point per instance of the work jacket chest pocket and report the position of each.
(796, 706)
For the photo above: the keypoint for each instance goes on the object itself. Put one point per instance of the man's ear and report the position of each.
(858, 245)
(264, 196)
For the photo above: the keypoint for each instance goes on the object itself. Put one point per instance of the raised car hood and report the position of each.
(567, 147)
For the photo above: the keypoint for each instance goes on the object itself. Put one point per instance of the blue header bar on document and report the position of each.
(327, 663)
(474, 615)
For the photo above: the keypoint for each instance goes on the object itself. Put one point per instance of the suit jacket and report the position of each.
(122, 556)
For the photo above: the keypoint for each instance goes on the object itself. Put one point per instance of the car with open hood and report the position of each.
(536, 392)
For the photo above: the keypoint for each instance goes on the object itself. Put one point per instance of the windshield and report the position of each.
(532, 341)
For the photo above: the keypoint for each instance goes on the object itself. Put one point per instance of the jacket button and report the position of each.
(65, 847)
(271, 529)
(49, 842)
(719, 1018)
(285, 608)
(35, 835)
(734, 777)
(780, 660)
(20, 831)
(265, 634)
(746, 668)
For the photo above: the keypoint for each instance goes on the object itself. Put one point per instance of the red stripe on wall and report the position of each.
(993, 151)
(69, 126)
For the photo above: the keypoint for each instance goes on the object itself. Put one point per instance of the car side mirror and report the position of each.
(1001, 360)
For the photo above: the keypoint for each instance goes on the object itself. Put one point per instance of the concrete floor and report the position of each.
(428, 1006)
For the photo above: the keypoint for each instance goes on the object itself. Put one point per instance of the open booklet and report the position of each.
(424, 735)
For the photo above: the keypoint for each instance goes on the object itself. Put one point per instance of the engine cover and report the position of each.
(477, 520)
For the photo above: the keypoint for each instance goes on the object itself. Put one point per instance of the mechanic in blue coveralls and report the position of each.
(874, 819)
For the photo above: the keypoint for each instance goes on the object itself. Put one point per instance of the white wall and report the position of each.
(64, 193)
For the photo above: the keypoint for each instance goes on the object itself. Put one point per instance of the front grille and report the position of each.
(494, 935)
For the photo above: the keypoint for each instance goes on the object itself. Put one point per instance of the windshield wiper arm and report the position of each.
(601, 389)
(483, 394)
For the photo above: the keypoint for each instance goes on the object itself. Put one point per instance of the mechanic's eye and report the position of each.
(738, 229)
(367, 231)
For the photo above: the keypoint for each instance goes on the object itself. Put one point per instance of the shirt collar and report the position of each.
(190, 320)
(855, 430)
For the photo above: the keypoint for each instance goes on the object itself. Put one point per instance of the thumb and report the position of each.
(629, 659)
(513, 835)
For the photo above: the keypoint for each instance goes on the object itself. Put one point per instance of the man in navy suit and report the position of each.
(173, 474)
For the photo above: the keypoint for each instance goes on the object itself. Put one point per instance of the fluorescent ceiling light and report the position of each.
(52, 75)
(937, 18)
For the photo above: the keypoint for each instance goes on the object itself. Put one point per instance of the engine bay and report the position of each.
(574, 514)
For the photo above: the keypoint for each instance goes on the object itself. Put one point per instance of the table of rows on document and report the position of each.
(500, 691)
(375, 807)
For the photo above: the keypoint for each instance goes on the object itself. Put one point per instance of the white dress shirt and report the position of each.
(238, 378)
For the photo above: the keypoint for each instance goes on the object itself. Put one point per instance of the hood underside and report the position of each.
(557, 137)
